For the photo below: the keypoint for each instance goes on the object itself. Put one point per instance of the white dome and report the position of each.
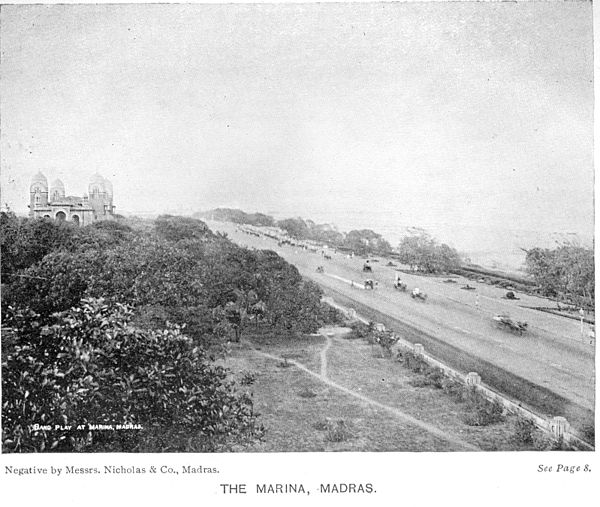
(40, 180)
(58, 185)
(96, 178)
(96, 185)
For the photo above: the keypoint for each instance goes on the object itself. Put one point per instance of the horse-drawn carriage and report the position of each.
(418, 294)
(367, 268)
(399, 285)
(369, 284)
(504, 321)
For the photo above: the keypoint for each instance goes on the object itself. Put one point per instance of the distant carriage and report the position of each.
(504, 321)
(367, 267)
(369, 284)
(399, 285)
(418, 294)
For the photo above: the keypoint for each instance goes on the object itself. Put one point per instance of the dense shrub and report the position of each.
(589, 433)
(57, 282)
(386, 340)
(360, 330)
(481, 411)
(454, 389)
(328, 315)
(174, 228)
(248, 378)
(73, 360)
(412, 361)
(25, 242)
(237, 216)
(93, 367)
(296, 310)
(432, 378)
(544, 442)
(524, 431)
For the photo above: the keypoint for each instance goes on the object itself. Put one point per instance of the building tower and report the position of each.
(57, 191)
(97, 195)
(109, 194)
(38, 193)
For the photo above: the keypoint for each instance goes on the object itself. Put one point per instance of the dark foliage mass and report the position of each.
(237, 217)
(423, 253)
(90, 366)
(565, 273)
(361, 242)
(89, 316)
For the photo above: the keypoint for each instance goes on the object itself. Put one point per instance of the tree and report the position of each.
(565, 273)
(447, 258)
(24, 242)
(422, 252)
(366, 241)
(91, 366)
(237, 313)
(295, 227)
(237, 216)
(60, 280)
(327, 236)
(295, 309)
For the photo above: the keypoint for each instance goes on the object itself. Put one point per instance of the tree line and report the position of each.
(121, 321)
(565, 273)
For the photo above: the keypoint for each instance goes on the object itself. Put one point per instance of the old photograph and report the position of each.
(297, 228)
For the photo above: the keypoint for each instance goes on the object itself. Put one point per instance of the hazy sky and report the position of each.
(475, 113)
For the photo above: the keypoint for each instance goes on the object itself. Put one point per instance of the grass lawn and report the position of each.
(303, 413)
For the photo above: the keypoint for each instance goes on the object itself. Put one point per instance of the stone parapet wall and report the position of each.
(557, 426)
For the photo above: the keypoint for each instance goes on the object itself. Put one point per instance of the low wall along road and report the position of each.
(558, 426)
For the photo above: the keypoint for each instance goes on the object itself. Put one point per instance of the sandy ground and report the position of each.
(552, 353)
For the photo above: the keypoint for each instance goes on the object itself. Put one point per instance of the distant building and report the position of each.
(52, 203)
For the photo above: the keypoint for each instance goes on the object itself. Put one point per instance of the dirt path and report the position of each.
(457, 443)
(324, 355)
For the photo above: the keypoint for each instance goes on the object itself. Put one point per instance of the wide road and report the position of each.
(552, 354)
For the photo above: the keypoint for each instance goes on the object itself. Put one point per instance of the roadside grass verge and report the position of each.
(300, 413)
(449, 406)
(539, 398)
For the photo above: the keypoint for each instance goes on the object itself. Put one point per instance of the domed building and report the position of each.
(54, 204)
